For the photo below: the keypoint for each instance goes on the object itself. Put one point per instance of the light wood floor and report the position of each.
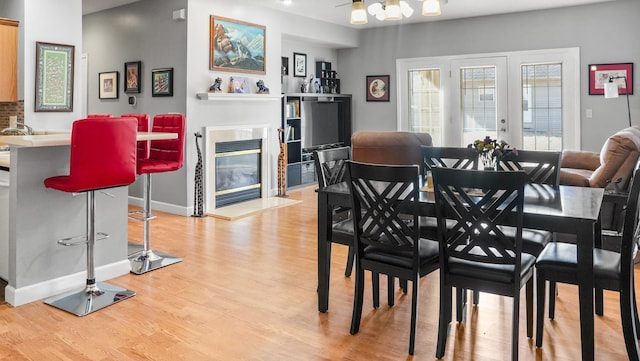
(247, 291)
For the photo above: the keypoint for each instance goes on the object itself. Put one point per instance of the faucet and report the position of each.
(27, 130)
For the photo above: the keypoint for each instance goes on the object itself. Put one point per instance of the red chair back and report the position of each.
(102, 155)
(143, 126)
(165, 155)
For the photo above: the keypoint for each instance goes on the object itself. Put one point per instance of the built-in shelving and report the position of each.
(236, 96)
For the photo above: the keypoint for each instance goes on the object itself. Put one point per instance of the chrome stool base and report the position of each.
(90, 299)
(152, 260)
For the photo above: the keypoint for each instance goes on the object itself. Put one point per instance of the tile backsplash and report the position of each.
(8, 109)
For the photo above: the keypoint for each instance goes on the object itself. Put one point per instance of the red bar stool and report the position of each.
(102, 155)
(143, 126)
(164, 156)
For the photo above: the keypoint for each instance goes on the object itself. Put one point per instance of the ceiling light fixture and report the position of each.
(358, 13)
(286, 2)
(432, 7)
(390, 10)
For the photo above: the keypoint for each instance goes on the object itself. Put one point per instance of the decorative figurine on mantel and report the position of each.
(261, 88)
(215, 88)
(231, 84)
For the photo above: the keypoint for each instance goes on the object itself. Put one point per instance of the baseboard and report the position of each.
(23, 295)
(163, 207)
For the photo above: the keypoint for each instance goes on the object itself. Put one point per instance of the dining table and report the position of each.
(564, 209)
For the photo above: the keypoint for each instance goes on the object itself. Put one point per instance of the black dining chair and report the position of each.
(330, 166)
(542, 167)
(476, 254)
(612, 270)
(387, 239)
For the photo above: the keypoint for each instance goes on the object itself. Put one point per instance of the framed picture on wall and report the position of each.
(108, 85)
(236, 46)
(377, 88)
(299, 65)
(162, 82)
(621, 73)
(284, 70)
(54, 77)
(132, 77)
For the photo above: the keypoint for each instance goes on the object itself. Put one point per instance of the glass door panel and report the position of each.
(425, 103)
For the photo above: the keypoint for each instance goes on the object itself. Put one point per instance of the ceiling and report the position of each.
(338, 11)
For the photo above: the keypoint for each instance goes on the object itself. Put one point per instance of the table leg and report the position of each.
(586, 235)
(324, 251)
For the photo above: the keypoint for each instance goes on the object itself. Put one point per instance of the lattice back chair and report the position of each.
(448, 157)
(386, 240)
(331, 168)
(542, 167)
(612, 270)
(476, 254)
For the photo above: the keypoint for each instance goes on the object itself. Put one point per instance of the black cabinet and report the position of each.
(310, 122)
(328, 77)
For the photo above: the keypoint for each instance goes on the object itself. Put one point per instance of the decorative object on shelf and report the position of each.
(300, 65)
(215, 87)
(162, 82)
(377, 88)
(54, 77)
(198, 190)
(282, 164)
(108, 85)
(237, 46)
(599, 75)
(132, 77)
(239, 85)
(262, 89)
(491, 151)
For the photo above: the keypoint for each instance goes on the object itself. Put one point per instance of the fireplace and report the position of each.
(236, 165)
(237, 170)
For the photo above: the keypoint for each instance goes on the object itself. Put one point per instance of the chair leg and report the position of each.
(476, 298)
(635, 312)
(414, 313)
(375, 286)
(461, 304)
(391, 281)
(403, 285)
(351, 255)
(540, 286)
(444, 319)
(515, 326)
(95, 295)
(148, 260)
(529, 302)
(358, 295)
(628, 314)
(552, 299)
(599, 301)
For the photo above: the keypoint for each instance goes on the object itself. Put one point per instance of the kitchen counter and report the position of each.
(37, 266)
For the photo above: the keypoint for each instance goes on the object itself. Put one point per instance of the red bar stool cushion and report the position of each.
(143, 126)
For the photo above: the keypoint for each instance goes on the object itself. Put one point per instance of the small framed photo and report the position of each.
(377, 88)
(284, 70)
(132, 77)
(108, 85)
(299, 65)
(162, 82)
(621, 73)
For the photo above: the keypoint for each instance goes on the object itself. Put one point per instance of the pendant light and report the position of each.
(432, 7)
(392, 10)
(358, 13)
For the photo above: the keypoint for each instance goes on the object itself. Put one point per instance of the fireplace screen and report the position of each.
(237, 171)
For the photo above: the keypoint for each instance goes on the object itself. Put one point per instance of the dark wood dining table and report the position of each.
(564, 209)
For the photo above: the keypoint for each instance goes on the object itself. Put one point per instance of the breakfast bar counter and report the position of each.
(35, 266)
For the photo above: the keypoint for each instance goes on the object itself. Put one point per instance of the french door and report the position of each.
(529, 99)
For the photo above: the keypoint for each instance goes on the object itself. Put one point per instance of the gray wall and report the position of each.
(142, 31)
(557, 28)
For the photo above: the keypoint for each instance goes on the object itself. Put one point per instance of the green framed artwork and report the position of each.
(236, 46)
(162, 82)
(54, 77)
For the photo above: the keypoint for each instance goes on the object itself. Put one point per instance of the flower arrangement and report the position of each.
(491, 151)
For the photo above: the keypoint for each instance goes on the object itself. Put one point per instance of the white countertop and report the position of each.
(49, 140)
